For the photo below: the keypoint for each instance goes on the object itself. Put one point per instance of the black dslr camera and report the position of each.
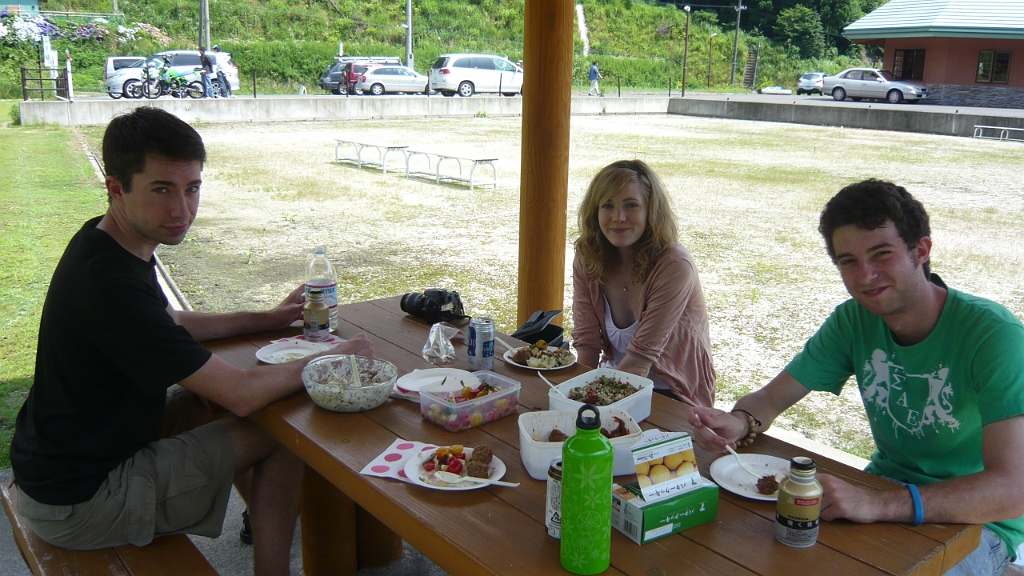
(434, 305)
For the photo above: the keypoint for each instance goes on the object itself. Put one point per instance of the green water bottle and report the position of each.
(587, 464)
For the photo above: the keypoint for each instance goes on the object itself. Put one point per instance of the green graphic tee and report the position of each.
(926, 403)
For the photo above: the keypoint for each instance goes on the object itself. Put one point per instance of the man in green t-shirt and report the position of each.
(940, 372)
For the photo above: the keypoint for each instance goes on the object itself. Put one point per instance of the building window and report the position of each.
(908, 65)
(994, 66)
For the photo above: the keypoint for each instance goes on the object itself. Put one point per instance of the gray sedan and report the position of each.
(384, 79)
(858, 83)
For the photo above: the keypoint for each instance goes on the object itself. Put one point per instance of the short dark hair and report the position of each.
(868, 205)
(143, 132)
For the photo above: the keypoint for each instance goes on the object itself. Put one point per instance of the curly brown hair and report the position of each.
(661, 231)
(868, 205)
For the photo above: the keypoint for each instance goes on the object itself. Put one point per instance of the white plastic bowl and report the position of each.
(329, 383)
(537, 453)
(638, 405)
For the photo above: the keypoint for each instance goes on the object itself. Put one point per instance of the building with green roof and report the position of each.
(969, 52)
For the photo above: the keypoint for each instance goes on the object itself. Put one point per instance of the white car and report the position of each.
(384, 79)
(858, 83)
(810, 83)
(128, 81)
(468, 74)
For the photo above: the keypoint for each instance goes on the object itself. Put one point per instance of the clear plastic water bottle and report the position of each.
(320, 274)
(587, 464)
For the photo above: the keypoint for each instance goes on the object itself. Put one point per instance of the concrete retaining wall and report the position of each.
(241, 109)
(906, 118)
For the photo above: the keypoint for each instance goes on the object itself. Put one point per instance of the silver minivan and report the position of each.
(468, 74)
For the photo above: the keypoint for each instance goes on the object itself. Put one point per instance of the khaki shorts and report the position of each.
(177, 485)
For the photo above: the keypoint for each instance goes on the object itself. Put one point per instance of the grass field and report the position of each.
(747, 195)
(47, 191)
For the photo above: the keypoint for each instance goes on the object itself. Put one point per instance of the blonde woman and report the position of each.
(637, 299)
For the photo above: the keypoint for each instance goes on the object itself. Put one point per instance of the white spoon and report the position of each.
(742, 463)
(453, 478)
(553, 387)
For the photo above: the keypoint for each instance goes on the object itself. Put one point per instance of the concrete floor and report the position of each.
(227, 554)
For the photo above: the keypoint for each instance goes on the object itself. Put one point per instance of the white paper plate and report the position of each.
(414, 471)
(508, 360)
(284, 352)
(728, 474)
(413, 381)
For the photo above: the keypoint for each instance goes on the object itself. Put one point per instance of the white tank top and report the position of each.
(620, 338)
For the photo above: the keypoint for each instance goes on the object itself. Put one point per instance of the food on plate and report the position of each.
(767, 485)
(482, 454)
(454, 459)
(557, 436)
(604, 391)
(286, 357)
(478, 469)
(540, 355)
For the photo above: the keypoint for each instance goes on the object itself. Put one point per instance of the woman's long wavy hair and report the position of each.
(596, 252)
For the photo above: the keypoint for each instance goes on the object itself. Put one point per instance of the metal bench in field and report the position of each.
(382, 153)
(435, 161)
(1004, 133)
(165, 556)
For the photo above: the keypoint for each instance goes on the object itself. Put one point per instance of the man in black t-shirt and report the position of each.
(87, 454)
(209, 67)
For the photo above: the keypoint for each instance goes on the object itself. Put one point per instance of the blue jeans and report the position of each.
(207, 86)
(990, 558)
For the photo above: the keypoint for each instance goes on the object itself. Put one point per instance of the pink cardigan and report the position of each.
(673, 325)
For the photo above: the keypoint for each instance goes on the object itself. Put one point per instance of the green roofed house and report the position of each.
(969, 52)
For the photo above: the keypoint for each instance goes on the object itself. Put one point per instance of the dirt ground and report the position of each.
(747, 196)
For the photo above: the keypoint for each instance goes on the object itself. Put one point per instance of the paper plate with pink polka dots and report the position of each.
(391, 462)
(415, 473)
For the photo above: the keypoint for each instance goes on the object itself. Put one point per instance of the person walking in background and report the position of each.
(208, 64)
(222, 78)
(594, 76)
(637, 298)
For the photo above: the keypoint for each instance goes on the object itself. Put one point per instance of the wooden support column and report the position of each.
(547, 96)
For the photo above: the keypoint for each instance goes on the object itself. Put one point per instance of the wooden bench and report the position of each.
(382, 152)
(1005, 133)
(165, 556)
(436, 159)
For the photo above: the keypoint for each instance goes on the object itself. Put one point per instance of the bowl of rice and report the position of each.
(330, 383)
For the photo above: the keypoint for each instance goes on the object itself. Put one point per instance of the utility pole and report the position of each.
(686, 49)
(204, 24)
(736, 42)
(115, 6)
(408, 34)
(711, 47)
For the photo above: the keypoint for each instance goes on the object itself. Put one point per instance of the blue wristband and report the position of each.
(918, 507)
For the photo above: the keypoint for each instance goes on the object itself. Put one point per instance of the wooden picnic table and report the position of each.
(497, 530)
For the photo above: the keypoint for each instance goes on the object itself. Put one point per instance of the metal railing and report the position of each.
(55, 80)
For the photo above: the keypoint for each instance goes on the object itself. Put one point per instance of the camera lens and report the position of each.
(413, 304)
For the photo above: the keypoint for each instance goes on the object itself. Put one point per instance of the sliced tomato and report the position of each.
(455, 466)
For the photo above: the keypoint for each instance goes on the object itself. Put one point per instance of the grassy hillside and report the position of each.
(288, 44)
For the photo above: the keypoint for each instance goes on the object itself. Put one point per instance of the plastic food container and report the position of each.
(330, 385)
(638, 405)
(537, 453)
(436, 407)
